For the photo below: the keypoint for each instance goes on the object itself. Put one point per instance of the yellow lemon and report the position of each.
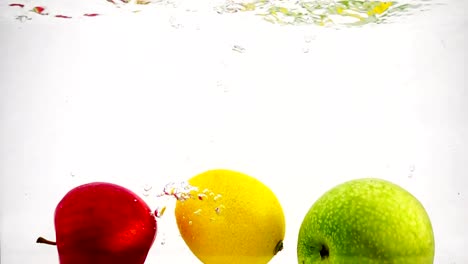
(231, 217)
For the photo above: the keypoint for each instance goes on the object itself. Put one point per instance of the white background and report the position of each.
(143, 99)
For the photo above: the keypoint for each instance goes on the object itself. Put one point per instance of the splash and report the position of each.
(319, 12)
(180, 191)
(295, 12)
(42, 10)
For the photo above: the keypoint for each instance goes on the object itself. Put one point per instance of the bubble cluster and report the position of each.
(181, 191)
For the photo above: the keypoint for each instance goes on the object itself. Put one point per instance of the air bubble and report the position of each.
(181, 191)
(147, 188)
(411, 168)
(309, 38)
(163, 239)
(238, 48)
(159, 211)
(23, 18)
(174, 23)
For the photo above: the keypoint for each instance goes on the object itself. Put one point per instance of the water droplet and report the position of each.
(201, 196)
(135, 200)
(190, 222)
(217, 197)
(305, 50)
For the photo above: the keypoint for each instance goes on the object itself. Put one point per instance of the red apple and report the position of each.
(103, 223)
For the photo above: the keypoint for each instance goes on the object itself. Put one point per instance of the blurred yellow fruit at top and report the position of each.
(231, 217)
(380, 8)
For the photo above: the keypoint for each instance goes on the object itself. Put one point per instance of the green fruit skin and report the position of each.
(366, 221)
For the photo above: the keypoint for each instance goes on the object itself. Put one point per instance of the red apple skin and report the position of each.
(103, 223)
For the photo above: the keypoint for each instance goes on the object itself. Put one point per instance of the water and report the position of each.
(324, 13)
(298, 12)
(145, 95)
(181, 191)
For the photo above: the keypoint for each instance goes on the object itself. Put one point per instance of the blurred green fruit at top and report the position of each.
(366, 221)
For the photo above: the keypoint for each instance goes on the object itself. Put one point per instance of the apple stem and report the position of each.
(45, 241)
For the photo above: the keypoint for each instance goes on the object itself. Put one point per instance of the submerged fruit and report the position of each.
(231, 218)
(103, 223)
(366, 221)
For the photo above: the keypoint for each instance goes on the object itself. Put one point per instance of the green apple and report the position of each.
(366, 221)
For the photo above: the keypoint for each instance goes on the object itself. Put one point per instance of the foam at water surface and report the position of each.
(323, 13)
(297, 12)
